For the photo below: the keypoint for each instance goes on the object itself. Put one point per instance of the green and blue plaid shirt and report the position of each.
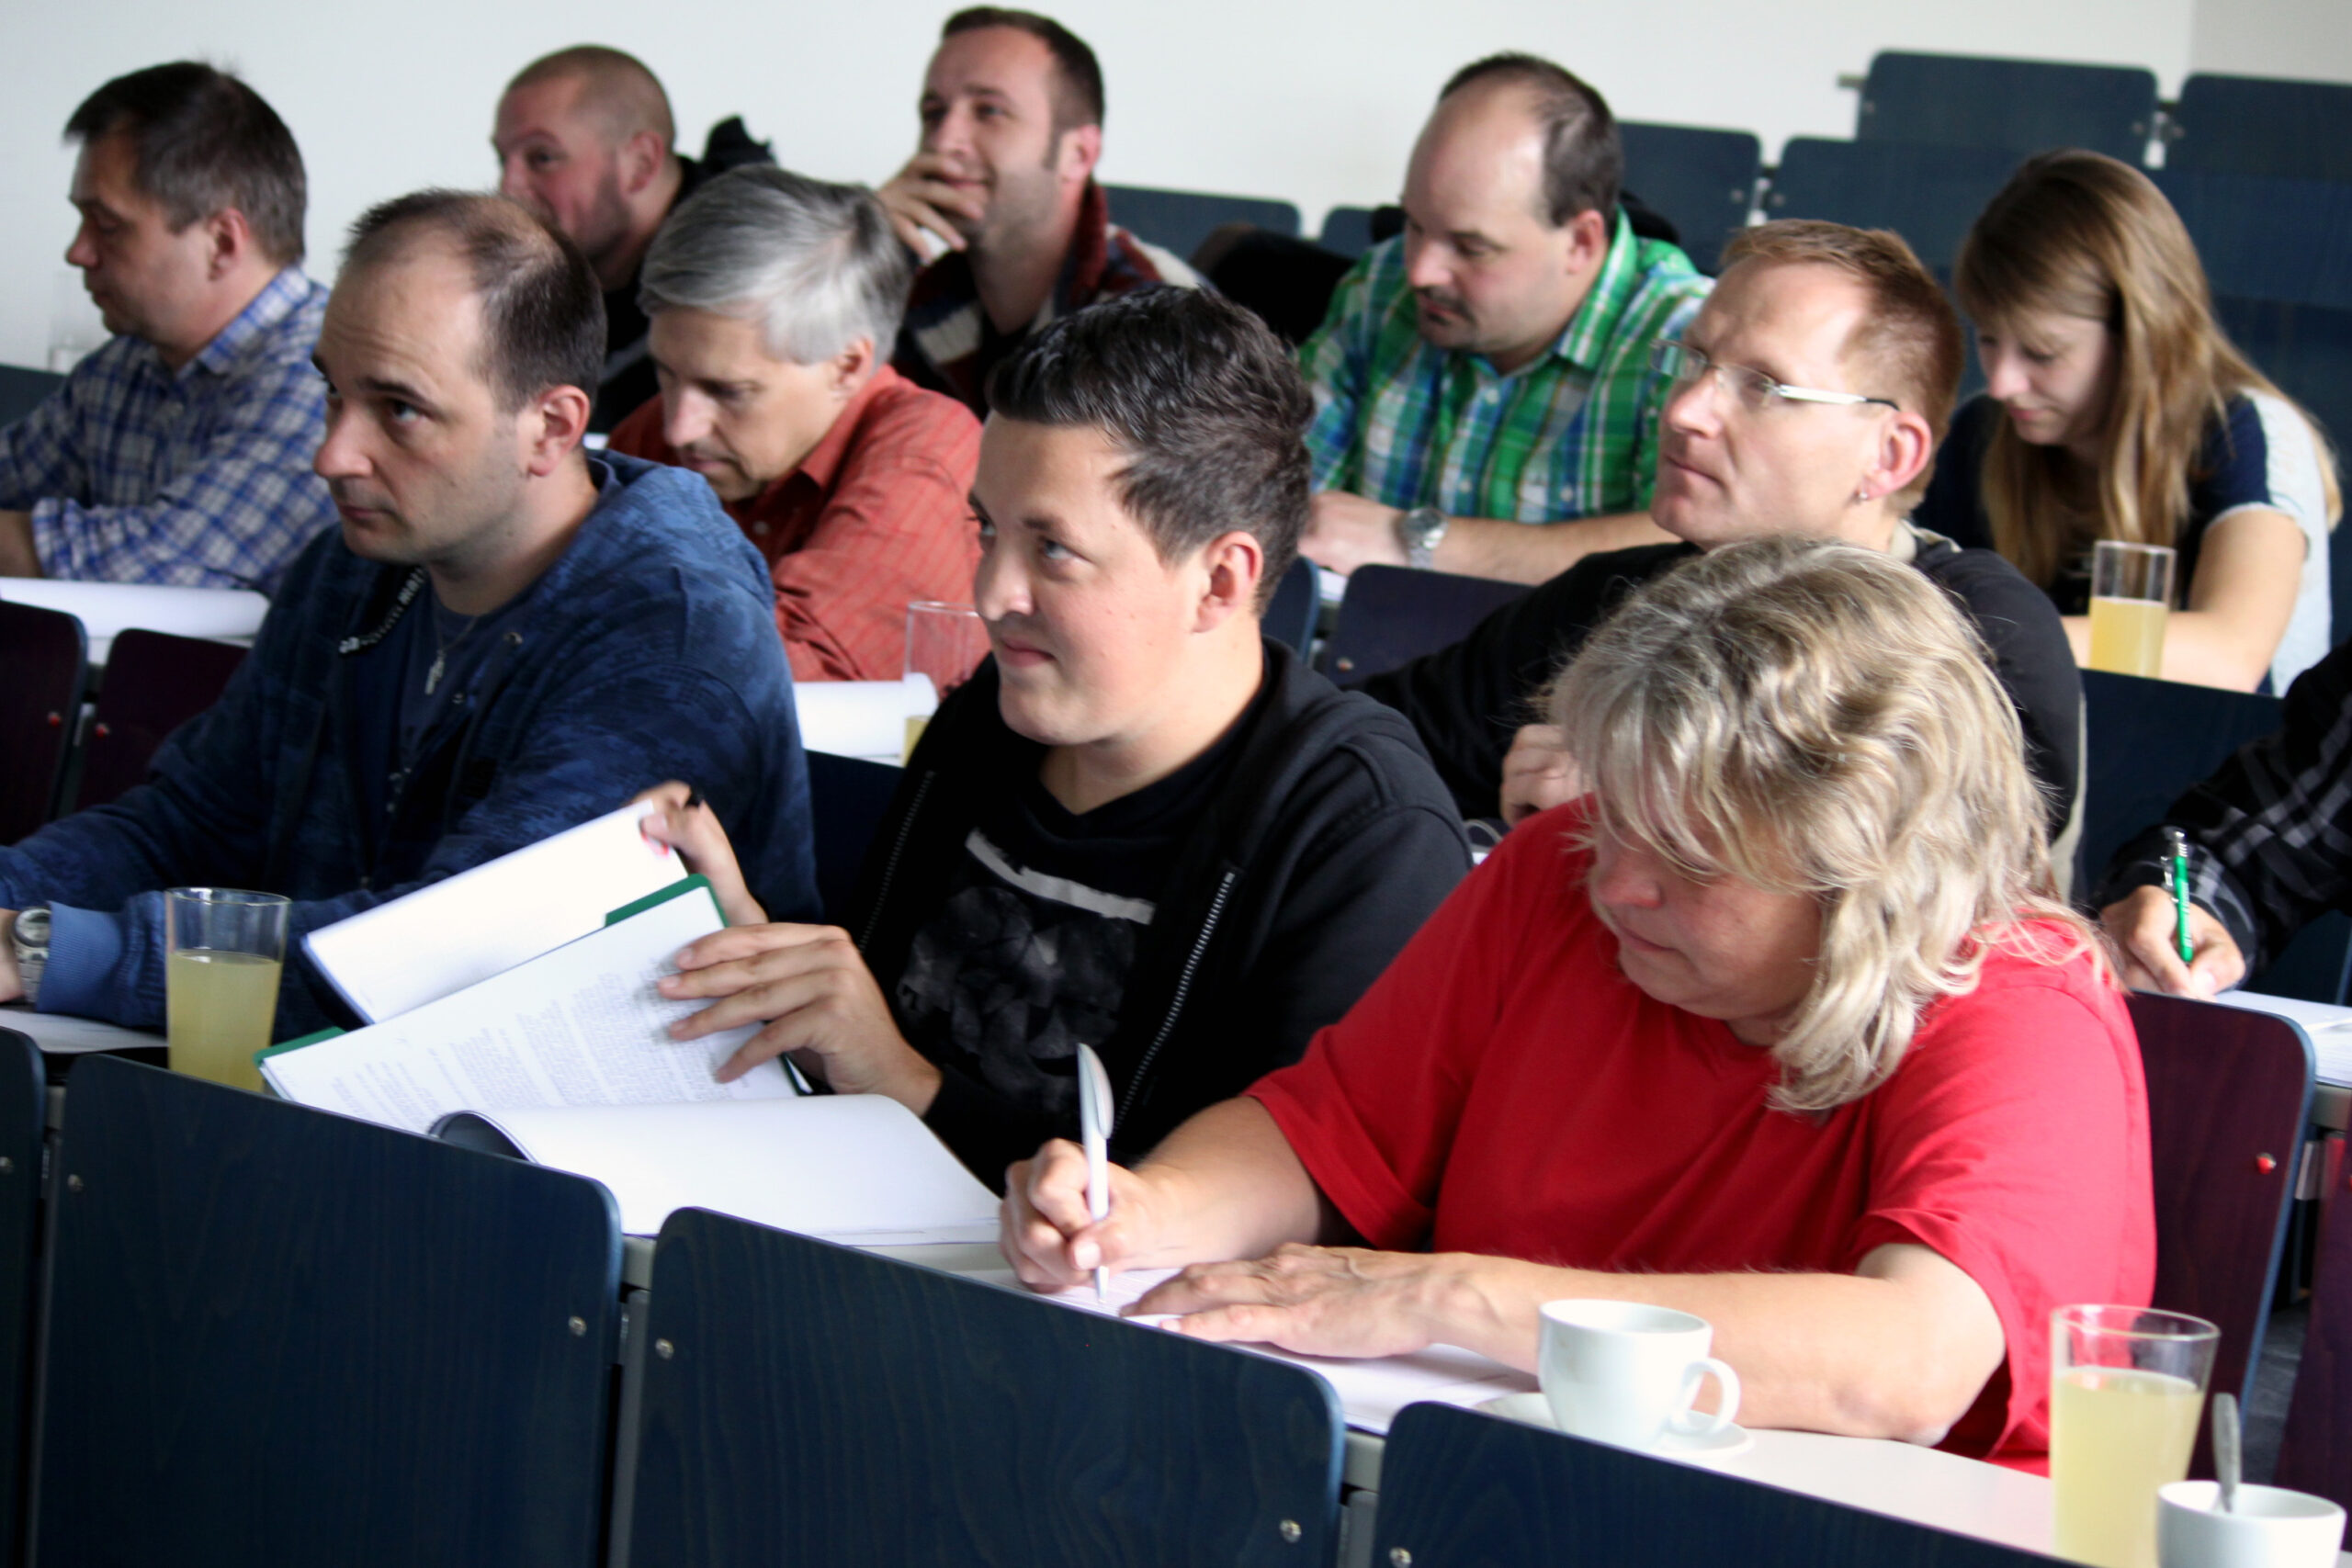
(1572, 433)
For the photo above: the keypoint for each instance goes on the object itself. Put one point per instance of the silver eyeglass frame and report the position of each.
(1665, 352)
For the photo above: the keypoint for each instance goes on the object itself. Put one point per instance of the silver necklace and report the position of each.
(441, 648)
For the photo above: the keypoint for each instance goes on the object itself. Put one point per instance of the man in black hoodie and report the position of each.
(1142, 825)
(585, 140)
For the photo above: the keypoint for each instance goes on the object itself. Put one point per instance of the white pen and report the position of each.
(1094, 1112)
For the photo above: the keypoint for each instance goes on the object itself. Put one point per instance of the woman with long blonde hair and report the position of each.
(2115, 408)
(1779, 1026)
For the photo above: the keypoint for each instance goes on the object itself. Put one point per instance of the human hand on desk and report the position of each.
(12, 985)
(2143, 927)
(810, 986)
(693, 831)
(1538, 774)
(1344, 532)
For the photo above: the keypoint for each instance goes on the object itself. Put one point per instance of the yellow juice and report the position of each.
(2115, 1435)
(915, 724)
(2128, 637)
(219, 1008)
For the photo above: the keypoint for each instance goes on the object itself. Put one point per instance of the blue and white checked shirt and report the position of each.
(133, 474)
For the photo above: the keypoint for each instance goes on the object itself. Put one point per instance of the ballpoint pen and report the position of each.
(1094, 1114)
(2176, 873)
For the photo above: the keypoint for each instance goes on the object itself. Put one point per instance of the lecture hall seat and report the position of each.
(2315, 1453)
(1393, 614)
(43, 669)
(2261, 125)
(23, 1112)
(155, 682)
(2022, 105)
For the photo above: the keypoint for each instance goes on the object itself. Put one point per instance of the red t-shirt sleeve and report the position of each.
(2014, 1142)
(1372, 1108)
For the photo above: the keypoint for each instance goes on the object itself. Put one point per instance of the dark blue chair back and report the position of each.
(848, 797)
(1392, 615)
(154, 683)
(1459, 1488)
(1347, 230)
(278, 1335)
(1179, 221)
(2258, 125)
(43, 667)
(2025, 105)
(23, 389)
(2315, 1452)
(807, 1403)
(2148, 742)
(2228, 1094)
(23, 1112)
(1297, 604)
(1703, 182)
(1929, 195)
(2268, 237)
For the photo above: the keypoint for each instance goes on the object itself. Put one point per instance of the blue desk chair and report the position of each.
(2229, 1096)
(2147, 742)
(23, 1112)
(1392, 615)
(848, 797)
(280, 1337)
(805, 1402)
(2315, 1452)
(1703, 182)
(1179, 221)
(23, 389)
(2265, 236)
(1347, 230)
(2257, 125)
(1929, 195)
(1296, 604)
(2023, 105)
(45, 664)
(1459, 1488)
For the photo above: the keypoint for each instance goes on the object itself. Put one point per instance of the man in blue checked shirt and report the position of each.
(180, 452)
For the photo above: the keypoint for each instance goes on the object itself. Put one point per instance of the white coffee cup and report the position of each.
(1625, 1373)
(2272, 1527)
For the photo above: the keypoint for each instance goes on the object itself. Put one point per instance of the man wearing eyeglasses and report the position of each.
(1806, 398)
(1489, 368)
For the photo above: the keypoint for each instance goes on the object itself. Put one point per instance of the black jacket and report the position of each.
(1329, 844)
(1468, 700)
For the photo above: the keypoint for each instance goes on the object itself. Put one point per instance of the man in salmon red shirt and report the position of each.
(774, 298)
(1779, 1025)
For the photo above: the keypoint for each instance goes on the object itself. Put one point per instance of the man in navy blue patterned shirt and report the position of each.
(180, 452)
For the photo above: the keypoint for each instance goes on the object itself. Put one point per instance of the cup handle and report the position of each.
(1690, 1423)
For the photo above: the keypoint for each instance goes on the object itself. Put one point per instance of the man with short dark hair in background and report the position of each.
(584, 138)
(775, 298)
(471, 663)
(1484, 398)
(180, 451)
(1012, 115)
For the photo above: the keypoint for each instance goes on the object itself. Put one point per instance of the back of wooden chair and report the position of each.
(1392, 615)
(155, 682)
(2315, 1453)
(44, 660)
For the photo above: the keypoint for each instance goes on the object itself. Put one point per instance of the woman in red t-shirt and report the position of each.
(1779, 1025)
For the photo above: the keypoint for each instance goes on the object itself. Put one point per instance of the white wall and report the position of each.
(2310, 39)
(1314, 102)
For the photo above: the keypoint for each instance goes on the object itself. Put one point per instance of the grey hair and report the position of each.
(817, 263)
(1815, 718)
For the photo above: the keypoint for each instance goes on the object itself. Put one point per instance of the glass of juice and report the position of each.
(944, 642)
(2130, 596)
(2127, 1387)
(223, 951)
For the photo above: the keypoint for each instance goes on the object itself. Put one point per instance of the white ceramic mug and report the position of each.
(1625, 1373)
(2272, 1527)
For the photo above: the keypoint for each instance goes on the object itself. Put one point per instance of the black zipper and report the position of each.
(1183, 987)
(890, 866)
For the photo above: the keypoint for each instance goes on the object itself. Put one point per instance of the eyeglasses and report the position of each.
(1679, 362)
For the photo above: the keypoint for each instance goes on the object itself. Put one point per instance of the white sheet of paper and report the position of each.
(464, 929)
(63, 1035)
(861, 718)
(1371, 1392)
(2330, 1028)
(107, 609)
(857, 1169)
(581, 1025)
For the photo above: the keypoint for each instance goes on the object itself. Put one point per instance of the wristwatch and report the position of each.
(1418, 531)
(29, 937)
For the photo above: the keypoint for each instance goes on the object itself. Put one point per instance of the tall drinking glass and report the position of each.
(944, 644)
(223, 951)
(2127, 1386)
(2130, 596)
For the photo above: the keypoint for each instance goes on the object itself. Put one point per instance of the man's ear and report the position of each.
(1901, 454)
(1588, 235)
(229, 240)
(1080, 150)
(641, 157)
(851, 368)
(550, 425)
(1235, 565)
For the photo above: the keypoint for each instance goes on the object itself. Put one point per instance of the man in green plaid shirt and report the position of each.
(1490, 368)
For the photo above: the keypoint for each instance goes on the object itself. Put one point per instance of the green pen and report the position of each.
(2178, 874)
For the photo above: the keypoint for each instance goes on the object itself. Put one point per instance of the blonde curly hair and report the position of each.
(1815, 718)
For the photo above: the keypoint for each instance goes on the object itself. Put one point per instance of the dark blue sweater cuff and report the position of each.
(85, 947)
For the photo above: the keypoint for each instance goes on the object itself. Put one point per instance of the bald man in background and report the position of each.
(585, 138)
